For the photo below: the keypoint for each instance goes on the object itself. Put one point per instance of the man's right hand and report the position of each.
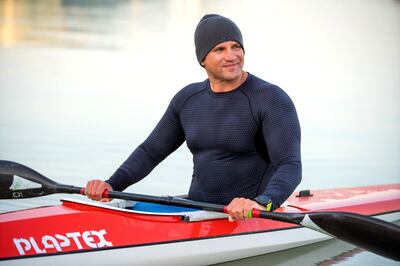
(95, 188)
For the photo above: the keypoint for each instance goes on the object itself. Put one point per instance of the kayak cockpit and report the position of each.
(153, 209)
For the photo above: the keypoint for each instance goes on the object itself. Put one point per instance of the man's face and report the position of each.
(225, 61)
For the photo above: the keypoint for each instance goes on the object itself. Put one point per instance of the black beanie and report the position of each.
(212, 30)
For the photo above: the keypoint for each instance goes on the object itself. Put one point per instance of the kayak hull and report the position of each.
(198, 252)
(77, 232)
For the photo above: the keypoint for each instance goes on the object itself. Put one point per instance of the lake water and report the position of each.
(82, 83)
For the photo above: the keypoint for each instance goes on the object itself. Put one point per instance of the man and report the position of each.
(243, 132)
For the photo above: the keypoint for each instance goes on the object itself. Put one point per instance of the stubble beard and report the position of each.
(226, 76)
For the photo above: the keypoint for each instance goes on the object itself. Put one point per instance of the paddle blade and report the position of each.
(372, 234)
(16, 169)
(42, 185)
(15, 187)
(19, 181)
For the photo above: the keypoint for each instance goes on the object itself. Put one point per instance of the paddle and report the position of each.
(372, 234)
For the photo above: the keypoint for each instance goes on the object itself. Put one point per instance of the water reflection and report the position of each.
(91, 4)
(73, 24)
(331, 252)
(93, 24)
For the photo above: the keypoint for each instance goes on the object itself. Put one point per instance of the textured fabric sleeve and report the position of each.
(166, 137)
(281, 131)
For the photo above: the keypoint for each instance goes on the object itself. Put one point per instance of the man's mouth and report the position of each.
(230, 65)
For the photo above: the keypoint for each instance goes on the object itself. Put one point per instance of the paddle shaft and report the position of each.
(168, 200)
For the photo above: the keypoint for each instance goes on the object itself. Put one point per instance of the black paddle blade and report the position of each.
(378, 236)
(28, 182)
(47, 186)
(14, 187)
(16, 169)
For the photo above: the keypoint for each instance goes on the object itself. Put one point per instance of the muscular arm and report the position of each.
(275, 114)
(281, 131)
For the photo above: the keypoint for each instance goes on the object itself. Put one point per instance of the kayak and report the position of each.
(83, 232)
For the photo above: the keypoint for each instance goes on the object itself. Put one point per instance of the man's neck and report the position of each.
(218, 85)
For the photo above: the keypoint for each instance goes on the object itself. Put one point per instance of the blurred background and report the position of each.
(82, 83)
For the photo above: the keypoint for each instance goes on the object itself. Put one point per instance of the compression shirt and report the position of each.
(244, 142)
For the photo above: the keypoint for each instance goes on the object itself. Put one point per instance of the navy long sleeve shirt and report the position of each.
(244, 142)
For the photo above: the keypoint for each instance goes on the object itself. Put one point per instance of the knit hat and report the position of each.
(212, 30)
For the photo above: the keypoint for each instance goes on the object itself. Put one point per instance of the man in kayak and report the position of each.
(243, 132)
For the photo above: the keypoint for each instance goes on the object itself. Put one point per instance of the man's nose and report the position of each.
(229, 54)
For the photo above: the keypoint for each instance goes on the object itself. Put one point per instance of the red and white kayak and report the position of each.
(91, 233)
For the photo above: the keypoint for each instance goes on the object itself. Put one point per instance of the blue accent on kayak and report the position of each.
(154, 207)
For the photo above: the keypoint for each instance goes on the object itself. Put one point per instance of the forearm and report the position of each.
(166, 137)
(138, 165)
(284, 181)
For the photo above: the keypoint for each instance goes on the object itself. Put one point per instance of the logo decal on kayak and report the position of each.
(56, 243)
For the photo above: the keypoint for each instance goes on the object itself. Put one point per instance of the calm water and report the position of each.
(82, 83)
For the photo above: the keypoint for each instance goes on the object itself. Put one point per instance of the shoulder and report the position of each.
(268, 101)
(186, 93)
(191, 90)
(261, 92)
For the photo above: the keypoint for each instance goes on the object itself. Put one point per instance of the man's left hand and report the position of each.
(239, 208)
